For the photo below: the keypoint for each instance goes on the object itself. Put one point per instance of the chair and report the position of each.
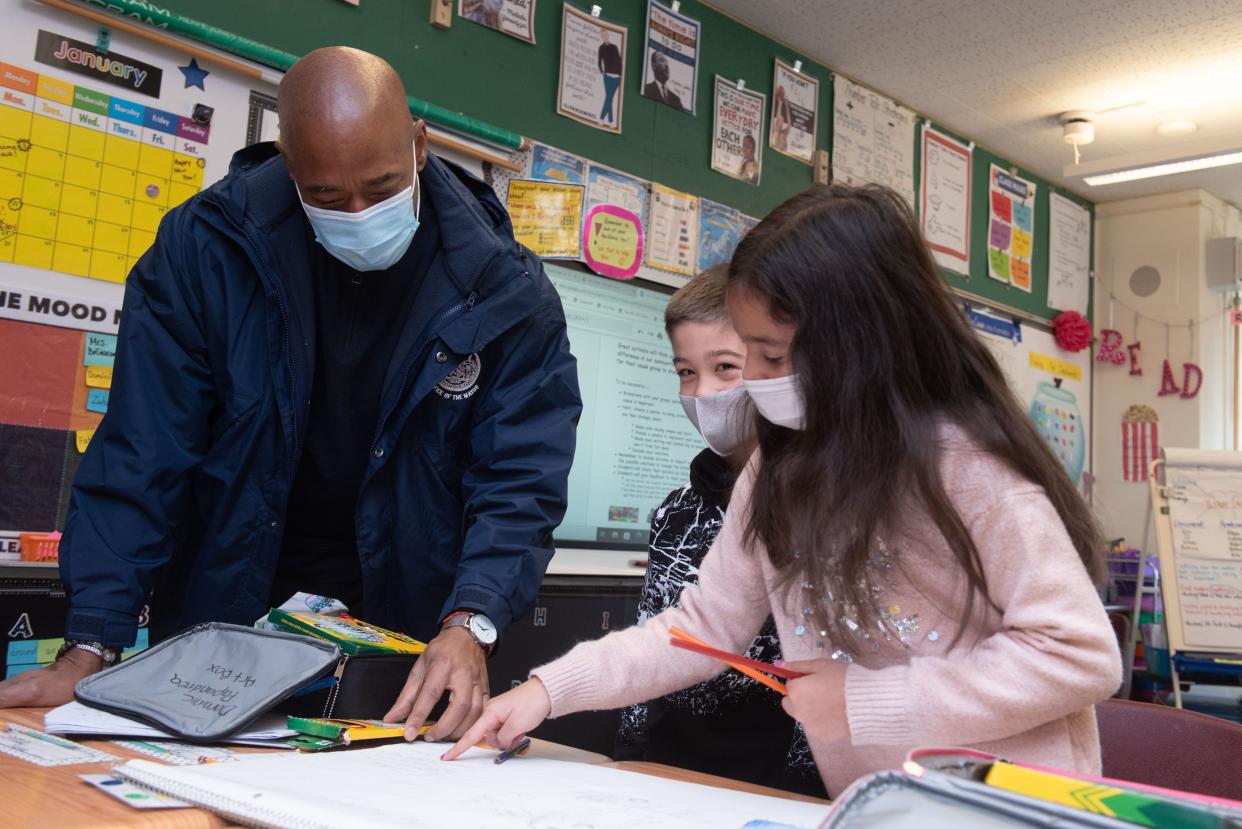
(1170, 747)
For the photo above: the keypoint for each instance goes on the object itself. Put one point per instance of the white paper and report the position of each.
(945, 212)
(41, 750)
(671, 58)
(586, 92)
(672, 236)
(408, 785)
(516, 18)
(737, 132)
(795, 113)
(872, 139)
(605, 186)
(76, 718)
(1069, 255)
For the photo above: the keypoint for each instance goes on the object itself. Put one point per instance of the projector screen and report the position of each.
(634, 441)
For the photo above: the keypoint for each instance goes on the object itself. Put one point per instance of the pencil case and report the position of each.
(362, 687)
(210, 681)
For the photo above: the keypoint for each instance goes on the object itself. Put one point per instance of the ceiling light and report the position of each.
(1172, 129)
(1172, 168)
(1184, 157)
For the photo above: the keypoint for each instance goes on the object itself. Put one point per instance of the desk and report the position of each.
(33, 796)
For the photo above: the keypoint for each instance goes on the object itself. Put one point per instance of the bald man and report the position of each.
(337, 373)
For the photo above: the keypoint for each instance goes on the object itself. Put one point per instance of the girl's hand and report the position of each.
(507, 718)
(817, 700)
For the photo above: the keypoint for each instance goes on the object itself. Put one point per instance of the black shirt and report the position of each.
(730, 725)
(609, 59)
(359, 317)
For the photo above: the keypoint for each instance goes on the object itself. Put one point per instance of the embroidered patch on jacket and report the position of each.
(463, 381)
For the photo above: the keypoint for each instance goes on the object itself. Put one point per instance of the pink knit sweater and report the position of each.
(1021, 682)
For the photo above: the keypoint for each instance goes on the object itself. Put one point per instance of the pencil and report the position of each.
(513, 750)
(749, 667)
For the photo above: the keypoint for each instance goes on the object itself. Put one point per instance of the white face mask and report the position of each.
(779, 400)
(369, 240)
(720, 418)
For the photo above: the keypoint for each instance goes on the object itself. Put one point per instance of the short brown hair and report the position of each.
(702, 299)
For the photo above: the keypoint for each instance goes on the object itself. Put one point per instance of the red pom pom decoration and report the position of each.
(1073, 331)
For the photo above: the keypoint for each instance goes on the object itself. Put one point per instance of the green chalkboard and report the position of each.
(484, 74)
(495, 78)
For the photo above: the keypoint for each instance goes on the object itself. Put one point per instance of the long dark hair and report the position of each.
(884, 356)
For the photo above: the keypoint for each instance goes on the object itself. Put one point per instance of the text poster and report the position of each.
(795, 113)
(547, 217)
(720, 229)
(945, 212)
(1069, 255)
(605, 186)
(550, 164)
(1205, 511)
(673, 231)
(872, 139)
(737, 124)
(516, 18)
(592, 86)
(1011, 228)
(671, 60)
(612, 241)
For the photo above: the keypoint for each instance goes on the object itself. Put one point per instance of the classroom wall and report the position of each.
(1166, 232)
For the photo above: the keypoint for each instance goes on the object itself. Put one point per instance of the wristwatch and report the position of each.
(110, 656)
(476, 624)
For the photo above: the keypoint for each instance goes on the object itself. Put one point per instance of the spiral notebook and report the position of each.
(407, 785)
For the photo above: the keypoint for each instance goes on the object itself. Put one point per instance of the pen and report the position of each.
(513, 750)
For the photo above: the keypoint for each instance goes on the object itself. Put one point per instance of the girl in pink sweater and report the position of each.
(928, 562)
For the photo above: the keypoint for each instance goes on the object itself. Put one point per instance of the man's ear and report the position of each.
(421, 149)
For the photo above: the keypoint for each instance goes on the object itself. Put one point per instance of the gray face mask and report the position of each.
(721, 418)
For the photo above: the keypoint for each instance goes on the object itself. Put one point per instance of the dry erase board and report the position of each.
(1200, 543)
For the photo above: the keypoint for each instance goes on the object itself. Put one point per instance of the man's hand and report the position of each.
(507, 718)
(50, 685)
(452, 661)
(817, 700)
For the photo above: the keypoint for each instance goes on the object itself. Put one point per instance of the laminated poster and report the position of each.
(671, 59)
(1011, 228)
(736, 131)
(674, 231)
(547, 217)
(795, 113)
(592, 77)
(516, 18)
(945, 209)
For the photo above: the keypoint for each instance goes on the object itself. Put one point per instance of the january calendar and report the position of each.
(85, 176)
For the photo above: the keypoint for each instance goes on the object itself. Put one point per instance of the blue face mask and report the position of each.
(371, 239)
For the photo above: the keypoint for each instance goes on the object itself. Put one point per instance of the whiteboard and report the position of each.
(80, 243)
(872, 139)
(1201, 549)
(1052, 385)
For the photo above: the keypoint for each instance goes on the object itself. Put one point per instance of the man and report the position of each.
(659, 88)
(366, 393)
(611, 66)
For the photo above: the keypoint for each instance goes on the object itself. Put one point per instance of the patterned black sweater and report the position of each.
(731, 725)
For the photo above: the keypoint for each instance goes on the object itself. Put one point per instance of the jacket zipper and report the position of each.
(456, 310)
(284, 314)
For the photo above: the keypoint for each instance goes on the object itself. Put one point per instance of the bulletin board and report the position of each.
(95, 148)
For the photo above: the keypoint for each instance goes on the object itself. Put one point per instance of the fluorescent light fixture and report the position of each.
(1186, 157)
(1172, 168)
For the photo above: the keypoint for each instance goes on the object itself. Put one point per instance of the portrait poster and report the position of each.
(591, 89)
(795, 113)
(515, 18)
(736, 130)
(671, 58)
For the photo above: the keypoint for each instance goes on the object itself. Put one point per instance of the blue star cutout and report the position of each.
(194, 75)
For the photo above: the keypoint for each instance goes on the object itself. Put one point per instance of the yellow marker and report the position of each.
(99, 377)
(83, 438)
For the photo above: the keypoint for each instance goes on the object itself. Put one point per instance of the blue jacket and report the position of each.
(183, 489)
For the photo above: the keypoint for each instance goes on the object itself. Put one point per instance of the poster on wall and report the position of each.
(612, 241)
(673, 231)
(795, 113)
(516, 18)
(872, 139)
(592, 79)
(945, 208)
(1053, 385)
(547, 217)
(1069, 255)
(550, 164)
(720, 229)
(736, 128)
(606, 186)
(1011, 228)
(671, 59)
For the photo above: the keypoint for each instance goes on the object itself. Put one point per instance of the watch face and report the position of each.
(483, 629)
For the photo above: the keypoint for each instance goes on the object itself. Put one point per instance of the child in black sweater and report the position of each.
(731, 725)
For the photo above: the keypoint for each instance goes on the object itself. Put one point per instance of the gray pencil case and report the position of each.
(210, 681)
